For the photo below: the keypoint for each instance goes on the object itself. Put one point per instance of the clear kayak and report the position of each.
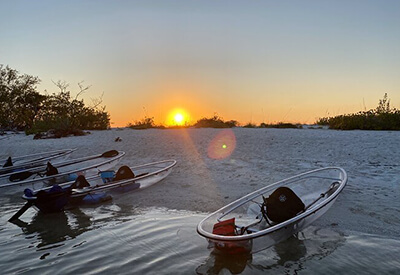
(273, 213)
(20, 163)
(50, 174)
(91, 190)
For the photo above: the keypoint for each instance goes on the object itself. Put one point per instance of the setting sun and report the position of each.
(178, 117)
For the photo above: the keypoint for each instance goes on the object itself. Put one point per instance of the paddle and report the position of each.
(109, 154)
(20, 176)
(26, 174)
(21, 211)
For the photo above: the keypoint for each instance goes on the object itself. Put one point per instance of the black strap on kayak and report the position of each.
(264, 210)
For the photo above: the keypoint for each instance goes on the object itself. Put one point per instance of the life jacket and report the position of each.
(225, 228)
(283, 204)
(228, 228)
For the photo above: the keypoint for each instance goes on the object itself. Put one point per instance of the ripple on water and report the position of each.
(125, 240)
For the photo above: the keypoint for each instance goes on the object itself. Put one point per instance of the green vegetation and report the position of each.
(250, 125)
(22, 108)
(145, 123)
(215, 122)
(382, 118)
(281, 125)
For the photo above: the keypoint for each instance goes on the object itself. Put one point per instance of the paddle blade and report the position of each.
(20, 176)
(110, 154)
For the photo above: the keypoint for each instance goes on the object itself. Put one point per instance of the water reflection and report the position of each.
(288, 256)
(52, 230)
(217, 262)
(55, 228)
(291, 250)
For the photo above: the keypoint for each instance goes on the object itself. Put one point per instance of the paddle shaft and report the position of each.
(21, 211)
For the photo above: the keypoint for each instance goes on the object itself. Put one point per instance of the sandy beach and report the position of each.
(205, 180)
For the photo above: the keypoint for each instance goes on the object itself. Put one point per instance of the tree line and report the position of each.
(23, 108)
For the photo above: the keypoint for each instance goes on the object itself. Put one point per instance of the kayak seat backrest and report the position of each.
(80, 182)
(283, 204)
(51, 170)
(107, 176)
(54, 192)
(225, 228)
(52, 200)
(124, 172)
(8, 162)
(28, 193)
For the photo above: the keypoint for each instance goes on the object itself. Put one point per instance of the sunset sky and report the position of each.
(251, 61)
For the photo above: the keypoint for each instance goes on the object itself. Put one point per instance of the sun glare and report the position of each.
(178, 117)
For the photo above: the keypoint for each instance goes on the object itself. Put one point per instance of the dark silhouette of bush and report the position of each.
(23, 108)
(145, 123)
(20, 103)
(250, 125)
(215, 122)
(281, 125)
(383, 117)
(66, 116)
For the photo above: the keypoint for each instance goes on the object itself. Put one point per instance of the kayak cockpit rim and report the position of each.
(243, 200)
(123, 182)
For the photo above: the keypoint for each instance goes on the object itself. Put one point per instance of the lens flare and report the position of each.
(222, 145)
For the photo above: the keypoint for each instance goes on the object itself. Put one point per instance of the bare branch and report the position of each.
(62, 85)
(97, 102)
(82, 89)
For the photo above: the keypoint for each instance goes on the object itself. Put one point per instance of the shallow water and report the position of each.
(143, 233)
(119, 239)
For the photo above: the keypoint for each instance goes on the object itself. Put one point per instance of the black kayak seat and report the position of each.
(49, 201)
(51, 170)
(283, 204)
(80, 182)
(124, 172)
(8, 162)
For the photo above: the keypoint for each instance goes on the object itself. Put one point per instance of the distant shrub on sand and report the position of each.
(250, 125)
(145, 123)
(383, 117)
(215, 122)
(281, 125)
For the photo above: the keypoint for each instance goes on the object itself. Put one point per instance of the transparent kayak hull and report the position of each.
(26, 162)
(67, 170)
(255, 233)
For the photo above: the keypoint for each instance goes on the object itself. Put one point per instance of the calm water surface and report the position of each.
(119, 239)
(138, 233)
